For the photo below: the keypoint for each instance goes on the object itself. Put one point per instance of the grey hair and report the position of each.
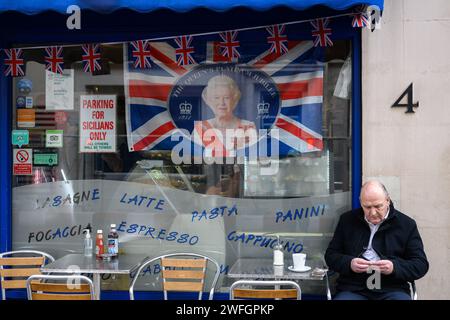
(386, 193)
(222, 80)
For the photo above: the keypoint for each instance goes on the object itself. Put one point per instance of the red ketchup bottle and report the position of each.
(99, 246)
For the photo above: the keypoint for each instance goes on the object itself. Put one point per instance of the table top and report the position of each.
(124, 264)
(256, 268)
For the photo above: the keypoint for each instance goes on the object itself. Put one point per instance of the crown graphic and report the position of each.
(263, 107)
(185, 107)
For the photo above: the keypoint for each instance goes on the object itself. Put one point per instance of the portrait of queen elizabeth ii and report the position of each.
(222, 95)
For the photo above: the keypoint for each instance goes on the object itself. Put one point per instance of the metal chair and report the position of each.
(20, 265)
(413, 290)
(190, 278)
(49, 287)
(262, 289)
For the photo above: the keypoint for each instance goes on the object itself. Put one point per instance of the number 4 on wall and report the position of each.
(409, 105)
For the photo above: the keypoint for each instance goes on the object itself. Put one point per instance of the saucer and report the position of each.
(304, 269)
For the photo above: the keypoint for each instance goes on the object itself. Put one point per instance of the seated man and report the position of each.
(376, 249)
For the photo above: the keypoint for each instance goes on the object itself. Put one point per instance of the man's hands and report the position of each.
(385, 266)
(359, 265)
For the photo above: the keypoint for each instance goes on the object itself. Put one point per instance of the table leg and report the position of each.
(97, 287)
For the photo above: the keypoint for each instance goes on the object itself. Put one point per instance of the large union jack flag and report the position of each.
(295, 69)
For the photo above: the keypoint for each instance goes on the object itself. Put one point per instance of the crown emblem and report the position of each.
(263, 108)
(185, 108)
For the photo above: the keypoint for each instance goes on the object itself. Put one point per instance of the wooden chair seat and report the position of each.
(48, 287)
(261, 289)
(17, 266)
(182, 272)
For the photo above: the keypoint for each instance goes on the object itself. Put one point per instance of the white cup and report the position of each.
(299, 260)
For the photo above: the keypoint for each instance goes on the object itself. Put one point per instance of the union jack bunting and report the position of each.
(141, 54)
(279, 92)
(229, 45)
(360, 20)
(91, 58)
(277, 39)
(322, 33)
(54, 60)
(184, 51)
(14, 63)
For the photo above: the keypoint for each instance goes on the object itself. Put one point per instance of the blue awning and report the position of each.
(107, 6)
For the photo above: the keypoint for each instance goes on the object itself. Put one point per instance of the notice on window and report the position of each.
(59, 90)
(98, 123)
(22, 162)
(26, 118)
(54, 138)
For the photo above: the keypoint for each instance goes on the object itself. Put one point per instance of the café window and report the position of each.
(210, 151)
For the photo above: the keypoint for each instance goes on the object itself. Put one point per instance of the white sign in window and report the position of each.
(98, 123)
(59, 90)
(54, 138)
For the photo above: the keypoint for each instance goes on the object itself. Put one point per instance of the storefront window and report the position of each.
(98, 151)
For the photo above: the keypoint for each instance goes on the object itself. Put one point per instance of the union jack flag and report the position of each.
(360, 20)
(91, 57)
(141, 54)
(229, 45)
(277, 39)
(14, 63)
(152, 95)
(321, 32)
(54, 60)
(184, 51)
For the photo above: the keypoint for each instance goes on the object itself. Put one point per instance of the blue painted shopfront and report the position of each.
(42, 23)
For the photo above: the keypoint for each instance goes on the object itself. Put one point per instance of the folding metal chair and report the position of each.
(413, 290)
(265, 289)
(70, 287)
(17, 266)
(182, 272)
